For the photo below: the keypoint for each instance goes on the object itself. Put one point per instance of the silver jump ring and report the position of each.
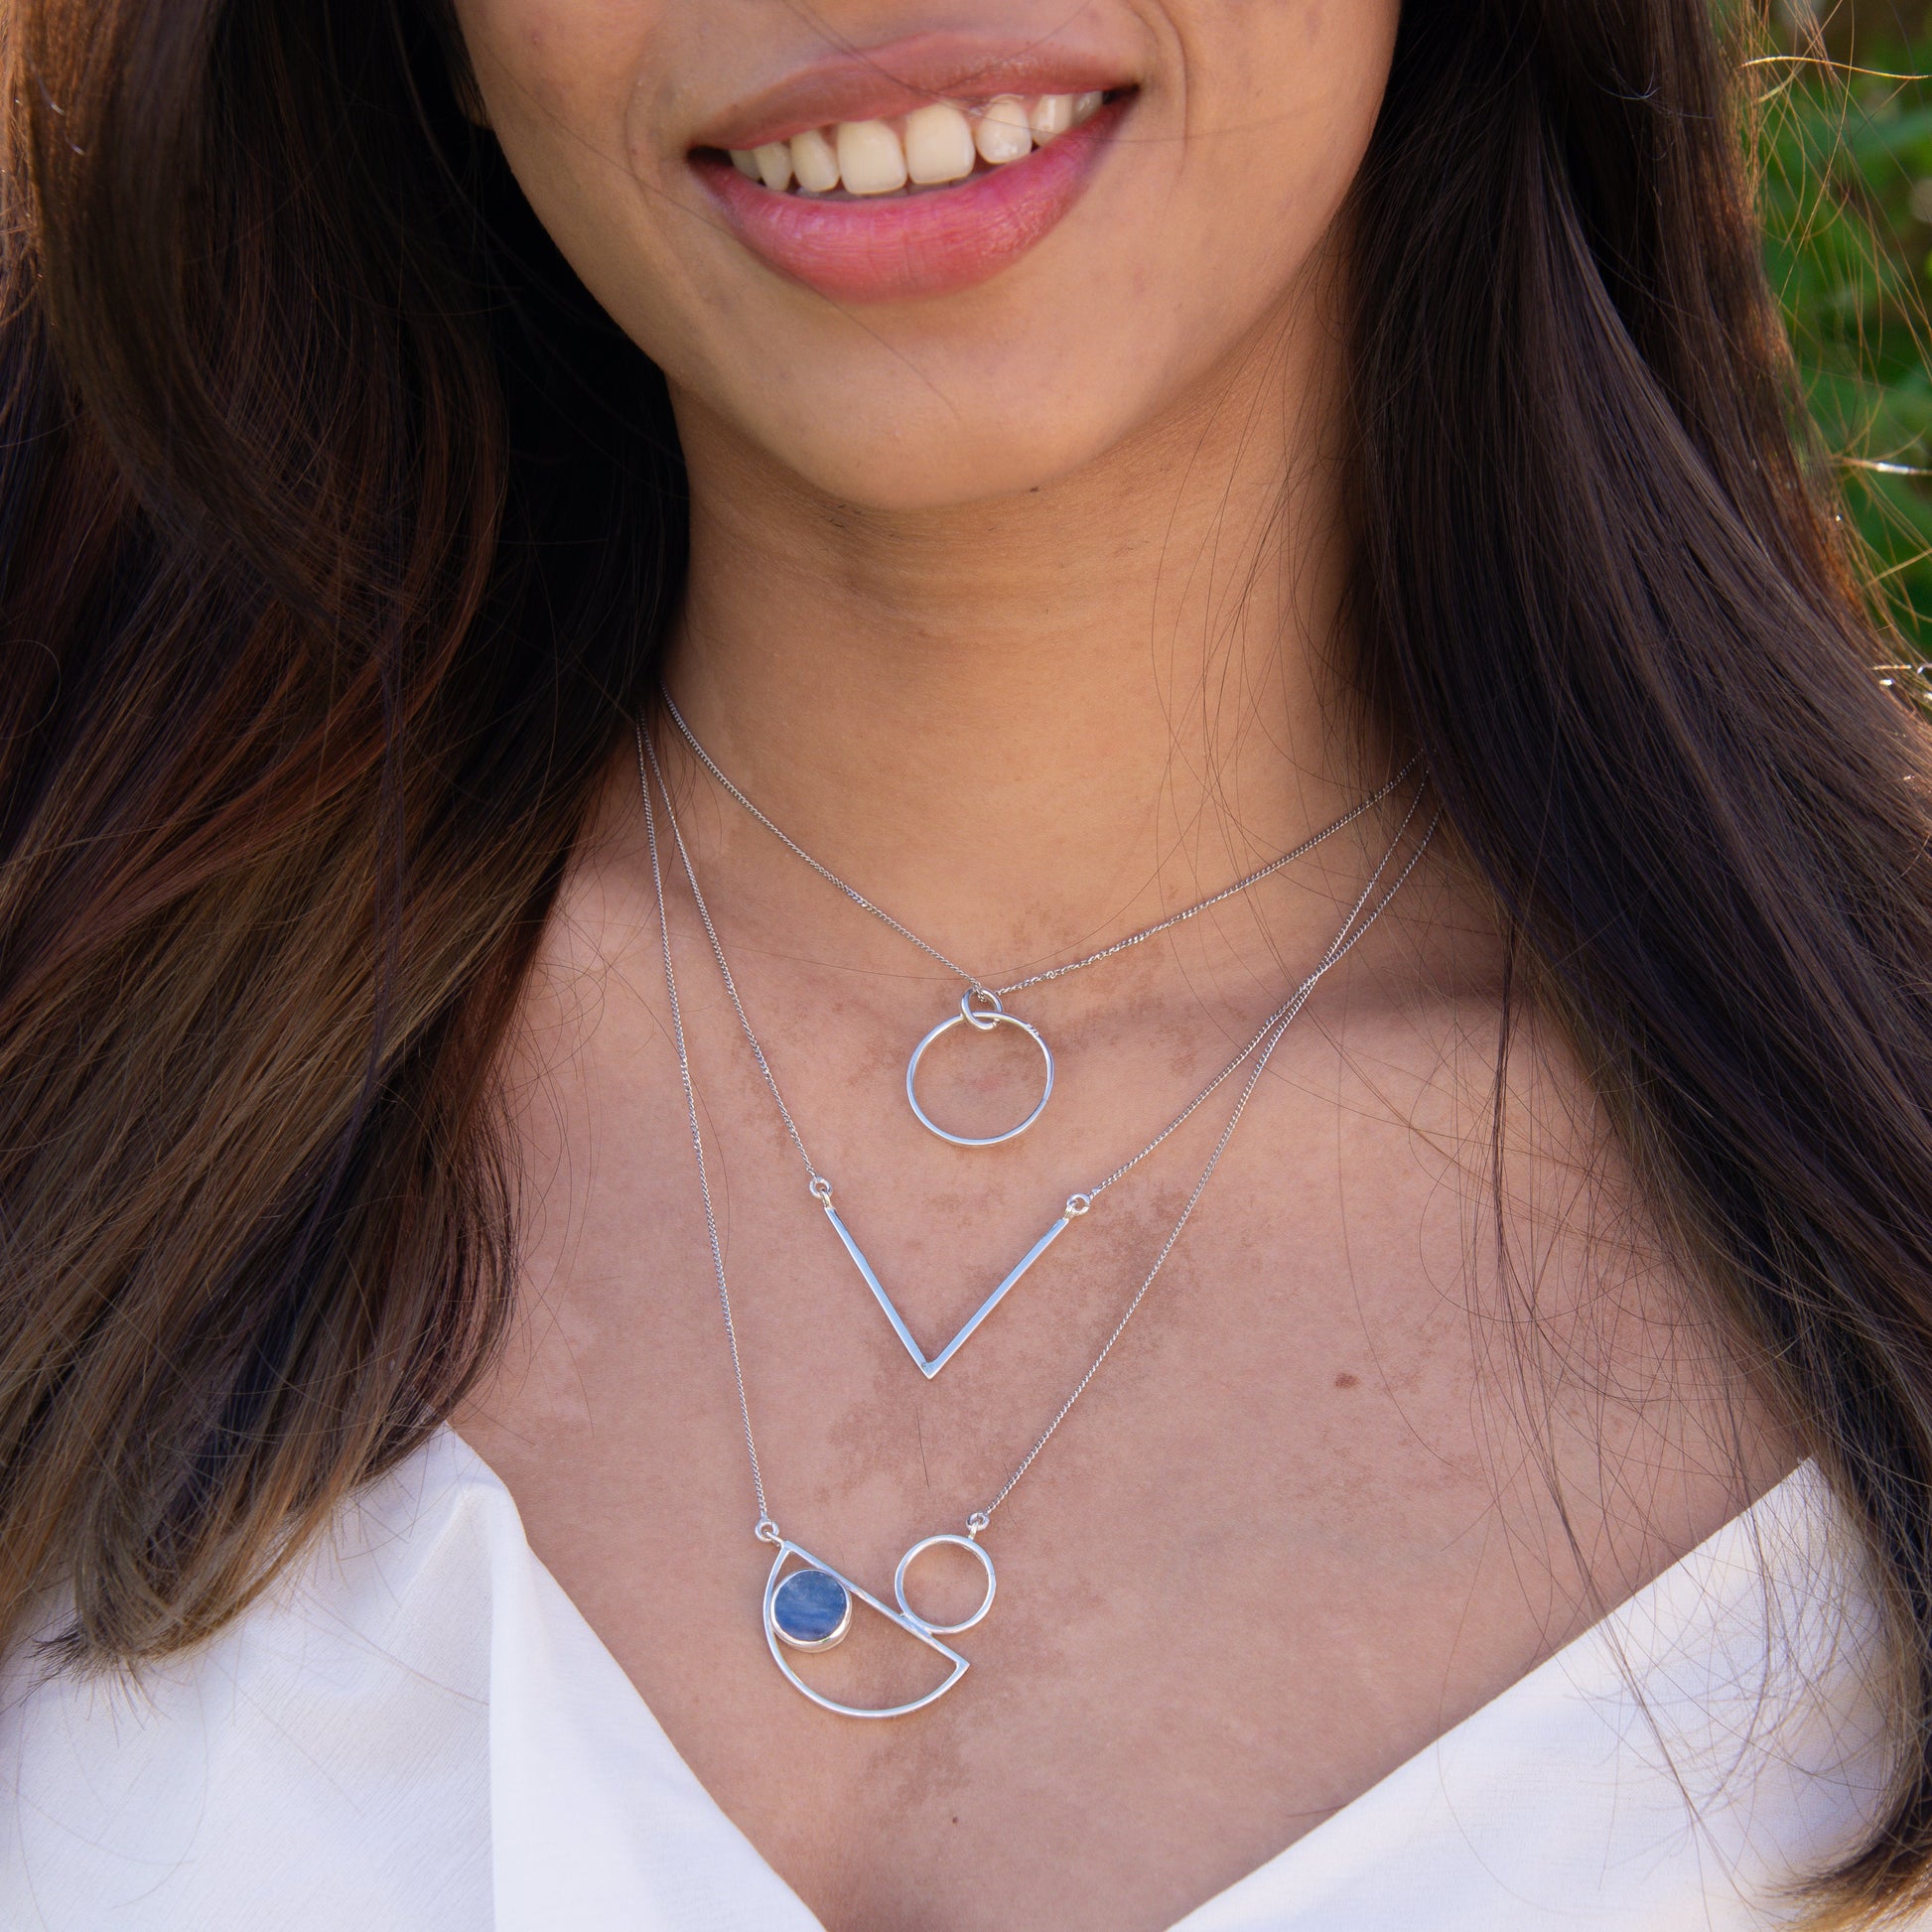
(945, 1629)
(980, 1022)
(984, 1018)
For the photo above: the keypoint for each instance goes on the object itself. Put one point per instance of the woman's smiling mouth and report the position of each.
(866, 187)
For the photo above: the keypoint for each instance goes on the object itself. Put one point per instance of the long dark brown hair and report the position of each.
(339, 531)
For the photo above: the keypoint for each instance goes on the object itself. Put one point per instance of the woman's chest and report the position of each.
(1295, 1529)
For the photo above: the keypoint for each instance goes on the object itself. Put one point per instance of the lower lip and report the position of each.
(912, 247)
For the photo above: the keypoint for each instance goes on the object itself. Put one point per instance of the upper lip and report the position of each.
(878, 83)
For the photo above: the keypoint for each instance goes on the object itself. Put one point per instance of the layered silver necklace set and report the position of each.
(808, 1604)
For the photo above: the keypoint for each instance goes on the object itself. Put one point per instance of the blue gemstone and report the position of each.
(810, 1610)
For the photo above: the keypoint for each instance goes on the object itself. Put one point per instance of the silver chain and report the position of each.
(1335, 955)
(1344, 941)
(764, 1522)
(973, 981)
(1079, 1202)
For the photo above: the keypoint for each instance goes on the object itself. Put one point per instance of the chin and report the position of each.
(932, 449)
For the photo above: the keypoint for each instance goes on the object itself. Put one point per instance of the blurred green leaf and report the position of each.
(1846, 153)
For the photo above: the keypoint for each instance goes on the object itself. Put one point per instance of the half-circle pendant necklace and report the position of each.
(981, 1008)
(807, 1603)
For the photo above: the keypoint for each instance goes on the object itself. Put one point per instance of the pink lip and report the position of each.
(912, 247)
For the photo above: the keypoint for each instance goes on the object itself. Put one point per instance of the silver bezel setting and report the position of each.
(827, 1642)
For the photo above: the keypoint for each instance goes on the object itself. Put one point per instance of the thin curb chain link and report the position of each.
(764, 1522)
(649, 750)
(973, 981)
(984, 1517)
(819, 1185)
(1282, 1013)
(1344, 941)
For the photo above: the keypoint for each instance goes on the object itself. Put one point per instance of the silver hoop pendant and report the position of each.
(824, 1615)
(982, 1018)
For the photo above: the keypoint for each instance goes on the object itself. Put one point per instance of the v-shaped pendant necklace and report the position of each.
(981, 1008)
(807, 1603)
(1078, 1205)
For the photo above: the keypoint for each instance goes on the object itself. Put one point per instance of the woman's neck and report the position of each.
(1045, 710)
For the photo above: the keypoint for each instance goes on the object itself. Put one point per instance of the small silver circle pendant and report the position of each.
(981, 1010)
(972, 1549)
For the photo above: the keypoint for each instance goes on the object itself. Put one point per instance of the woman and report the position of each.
(523, 1370)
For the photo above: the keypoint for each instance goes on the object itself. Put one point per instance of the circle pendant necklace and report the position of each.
(981, 1008)
(808, 1604)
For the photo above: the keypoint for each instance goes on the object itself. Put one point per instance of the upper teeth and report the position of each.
(935, 144)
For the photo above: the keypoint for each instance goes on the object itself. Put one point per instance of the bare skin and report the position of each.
(999, 604)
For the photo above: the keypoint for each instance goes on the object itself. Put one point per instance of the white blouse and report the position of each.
(419, 1732)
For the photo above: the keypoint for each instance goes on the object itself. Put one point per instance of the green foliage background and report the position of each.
(1845, 126)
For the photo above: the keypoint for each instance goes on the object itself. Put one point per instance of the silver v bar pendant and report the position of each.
(930, 1366)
